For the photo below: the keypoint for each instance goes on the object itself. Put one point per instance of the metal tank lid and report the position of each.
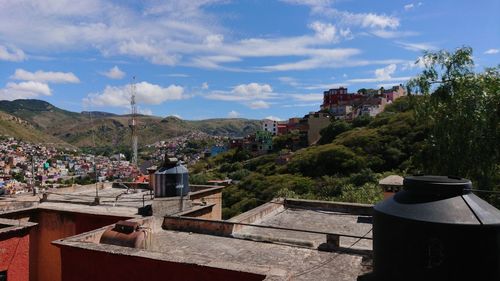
(439, 199)
(179, 169)
(445, 185)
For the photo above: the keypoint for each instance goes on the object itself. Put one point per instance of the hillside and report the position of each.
(20, 129)
(112, 130)
(346, 167)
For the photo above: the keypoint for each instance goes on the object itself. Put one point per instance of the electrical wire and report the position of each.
(331, 259)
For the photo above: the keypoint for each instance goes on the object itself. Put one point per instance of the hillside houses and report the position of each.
(22, 162)
(305, 131)
(347, 106)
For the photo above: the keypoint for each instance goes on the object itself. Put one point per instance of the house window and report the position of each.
(3, 275)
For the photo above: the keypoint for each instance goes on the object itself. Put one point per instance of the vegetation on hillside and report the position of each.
(104, 130)
(451, 127)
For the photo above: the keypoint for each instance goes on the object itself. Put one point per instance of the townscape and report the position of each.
(266, 140)
(26, 164)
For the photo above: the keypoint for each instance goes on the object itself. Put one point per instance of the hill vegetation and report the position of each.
(12, 126)
(110, 130)
(452, 127)
(346, 168)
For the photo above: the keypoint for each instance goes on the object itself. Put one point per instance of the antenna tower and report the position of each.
(133, 123)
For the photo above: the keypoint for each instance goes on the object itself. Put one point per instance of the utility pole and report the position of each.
(133, 123)
(32, 181)
(97, 200)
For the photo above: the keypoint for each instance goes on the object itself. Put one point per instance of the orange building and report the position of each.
(15, 249)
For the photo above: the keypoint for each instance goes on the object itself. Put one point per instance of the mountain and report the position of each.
(107, 129)
(18, 128)
(39, 113)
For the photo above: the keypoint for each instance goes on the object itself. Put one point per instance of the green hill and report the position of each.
(346, 167)
(106, 129)
(18, 128)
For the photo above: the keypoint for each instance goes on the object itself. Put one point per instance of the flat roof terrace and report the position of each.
(308, 216)
(268, 250)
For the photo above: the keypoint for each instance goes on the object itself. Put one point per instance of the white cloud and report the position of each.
(260, 104)
(172, 33)
(11, 54)
(213, 40)
(325, 86)
(388, 34)
(24, 90)
(324, 31)
(417, 47)
(313, 3)
(300, 105)
(153, 53)
(346, 33)
(146, 93)
(382, 75)
(146, 111)
(492, 51)
(233, 114)
(320, 62)
(274, 118)
(252, 90)
(179, 75)
(204, 86)
(412, 6)
(366, 20)
(114, 73)
(244, 92)
(252, 95)
(177, 116)
(45, 76)
(373, 20)
(308, 97)
(385, 72)
(289, 81)
(421, 62)
(408, 7)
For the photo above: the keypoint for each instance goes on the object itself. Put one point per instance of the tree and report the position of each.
(462, 111)
(329, 133)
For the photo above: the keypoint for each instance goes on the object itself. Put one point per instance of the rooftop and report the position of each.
(8, 226)
(260, 241)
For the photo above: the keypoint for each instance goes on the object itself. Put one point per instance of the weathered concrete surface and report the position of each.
(212, 250)
(228, 258)
(209, 195)
(342, 207)
(314, 220)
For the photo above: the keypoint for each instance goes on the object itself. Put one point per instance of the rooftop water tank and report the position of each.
(126, 234)
(436, 229)
(171, 179)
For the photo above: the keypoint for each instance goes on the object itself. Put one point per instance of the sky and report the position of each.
(199, 59)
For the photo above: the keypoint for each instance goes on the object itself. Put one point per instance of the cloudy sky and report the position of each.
(226, 58)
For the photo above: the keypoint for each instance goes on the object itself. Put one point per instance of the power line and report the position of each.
(333, 258)
(484, 191)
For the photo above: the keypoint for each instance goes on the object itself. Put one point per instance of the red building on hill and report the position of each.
(338, 96)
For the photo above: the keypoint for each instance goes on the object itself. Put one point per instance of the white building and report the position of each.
(270, 126)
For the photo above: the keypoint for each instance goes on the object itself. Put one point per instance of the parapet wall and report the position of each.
(341, 207)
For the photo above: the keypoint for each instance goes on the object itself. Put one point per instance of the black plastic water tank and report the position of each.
(436, 229)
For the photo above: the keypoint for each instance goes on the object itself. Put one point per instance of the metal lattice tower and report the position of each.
(133, 123)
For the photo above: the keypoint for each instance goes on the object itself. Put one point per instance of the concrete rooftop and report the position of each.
(314, 220)
(274, 253)
(265, 258)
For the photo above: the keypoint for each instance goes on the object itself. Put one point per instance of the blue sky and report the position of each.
(219, 58)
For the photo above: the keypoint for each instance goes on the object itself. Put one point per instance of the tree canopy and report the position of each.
(461, 108)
